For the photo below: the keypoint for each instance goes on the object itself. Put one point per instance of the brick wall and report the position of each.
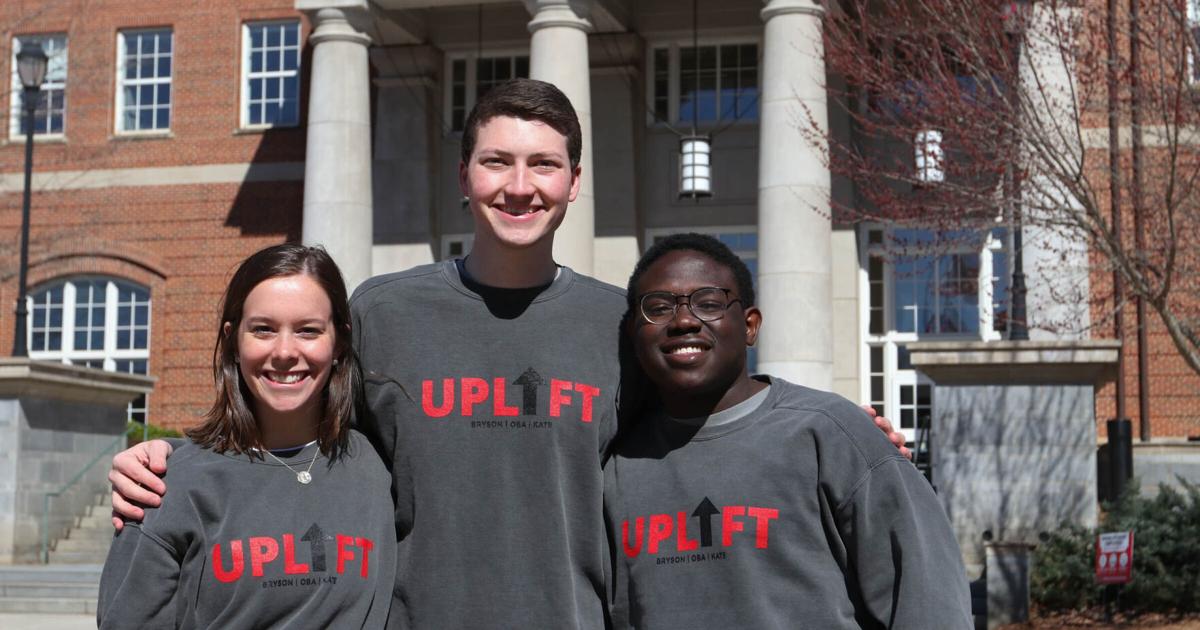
(181, 241)
(1174, 388)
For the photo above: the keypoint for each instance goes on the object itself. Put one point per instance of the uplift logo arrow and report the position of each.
(704, 513)
(529, 380)
(316, 544)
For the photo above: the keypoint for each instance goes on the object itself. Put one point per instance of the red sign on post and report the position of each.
(1114, 558)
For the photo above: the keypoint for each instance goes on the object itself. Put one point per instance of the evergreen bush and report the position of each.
(1166, 555)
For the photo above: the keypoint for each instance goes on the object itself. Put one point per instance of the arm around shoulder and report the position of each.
(135, 478)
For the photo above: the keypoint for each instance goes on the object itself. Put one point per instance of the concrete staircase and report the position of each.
(70, 583)
(88, 541)
(48, 588)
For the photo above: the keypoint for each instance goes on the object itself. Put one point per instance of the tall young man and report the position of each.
(492, 385)
(752, 502)
(492, 381)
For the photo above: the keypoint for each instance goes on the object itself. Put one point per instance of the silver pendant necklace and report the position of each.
(303, 476)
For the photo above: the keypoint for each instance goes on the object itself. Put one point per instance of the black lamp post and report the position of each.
(31, 67)
(1018, 328)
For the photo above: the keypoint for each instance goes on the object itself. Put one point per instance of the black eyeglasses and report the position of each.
(708, 304)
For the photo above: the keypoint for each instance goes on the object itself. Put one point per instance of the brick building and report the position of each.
(1172, 387)
(142, 207)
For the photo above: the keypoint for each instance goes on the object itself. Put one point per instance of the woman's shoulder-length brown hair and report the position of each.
(230, 424)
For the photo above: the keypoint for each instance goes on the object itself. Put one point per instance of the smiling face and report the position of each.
(518, 182)
(698, 367)
(285, 344)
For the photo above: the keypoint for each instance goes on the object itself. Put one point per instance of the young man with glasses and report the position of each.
(753, 502)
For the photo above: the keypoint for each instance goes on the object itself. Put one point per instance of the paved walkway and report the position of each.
(29, 621)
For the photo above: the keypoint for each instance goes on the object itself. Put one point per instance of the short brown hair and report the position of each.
(527, 99)
(230, 423)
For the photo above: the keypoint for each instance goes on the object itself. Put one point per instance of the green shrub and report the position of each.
(1166, 555)
(1063, 577)
(134, 431)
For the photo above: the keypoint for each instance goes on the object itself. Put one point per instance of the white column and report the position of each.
(794, 231)
(337, 166)
(558, 54)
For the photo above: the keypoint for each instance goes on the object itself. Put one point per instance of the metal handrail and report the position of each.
(922, 456)
(45, 552)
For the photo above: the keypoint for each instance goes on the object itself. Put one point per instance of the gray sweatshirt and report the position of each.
(494, 407)
(800, 514)
(239, 543)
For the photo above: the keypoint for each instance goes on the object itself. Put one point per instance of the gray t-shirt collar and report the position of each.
(720, 423)
(455, 274)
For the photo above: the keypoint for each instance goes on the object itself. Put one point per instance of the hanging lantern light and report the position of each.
(695, 170)
(929, 156)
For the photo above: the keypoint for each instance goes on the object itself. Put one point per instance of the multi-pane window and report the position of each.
(49, 116)
(916, 398)
(133, 318)
(89, 314)
(921, 284)
(144, 66)
(915, 407)
(706, 83)
(137, 407)
(46, 320)
(94, 322)
(744, 244)
(875, 283)
(471, 77)
(935, 289)
(875, 379)
(271, 74)
(662, 84)
(937, 294)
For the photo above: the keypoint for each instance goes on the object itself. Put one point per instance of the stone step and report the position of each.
(74, 590)
(50, 589)
(80, 573)
(97, 528)
(98, 514)
(48, 605)
(77, 557)
(83, 544)
(89, 540)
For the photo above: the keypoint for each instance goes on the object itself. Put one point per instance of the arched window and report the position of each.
(95, 322)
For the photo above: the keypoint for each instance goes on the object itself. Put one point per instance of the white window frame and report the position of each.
(901, 379)
(983, 295)
(109, 354)
(58, 57)
(673, 46)
(247, 75)
(122, 83)
(891, 340)
(469, 59)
